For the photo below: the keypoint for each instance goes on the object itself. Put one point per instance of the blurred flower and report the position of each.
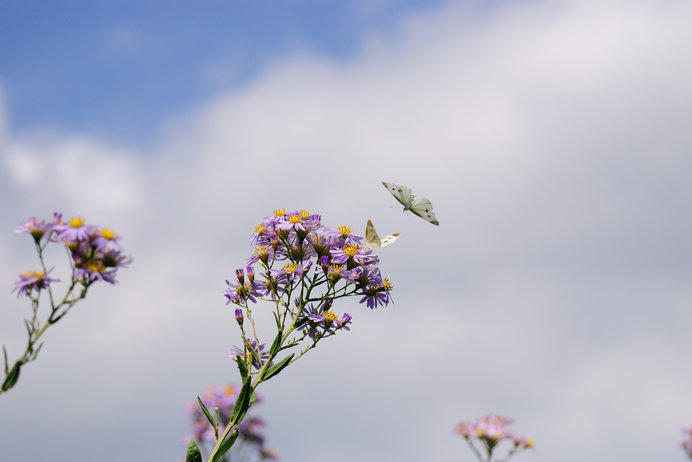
(687, 442)
(490, 431)
(32, 280)
(249, 431)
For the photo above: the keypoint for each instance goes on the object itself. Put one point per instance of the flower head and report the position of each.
(32, 280)
(490, 431)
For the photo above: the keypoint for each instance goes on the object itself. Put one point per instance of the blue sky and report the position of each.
(552, 137)
(118, 69)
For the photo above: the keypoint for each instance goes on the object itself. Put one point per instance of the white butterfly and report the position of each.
(373, 241)
(416, 204)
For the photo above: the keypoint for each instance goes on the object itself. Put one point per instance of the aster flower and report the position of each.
(223, 398)
(241, 291)
(353, 255)
(74, 230)
(251, 352)
(103, 238)
(686, 444)
(377, 293)
(489, 432)
(291, 271)
(38, 228)
(32, 280)
(344, 234)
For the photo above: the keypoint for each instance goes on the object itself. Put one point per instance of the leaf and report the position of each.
(12, 377)
(242, 403)
(226, 445)
(276, 368)
(242, 367)
(4, 351)
(193, 454)
(211, 420)
(277, 344)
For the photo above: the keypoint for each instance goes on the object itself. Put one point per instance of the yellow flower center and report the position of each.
(343, 229)
(261, 250)
(386, 284)
(260, 229)
(330, 315)
(108, 234)
(351, 250)
(95, 266)
(76, 222)
(280, 212)
(228, 390)
(34, 274)
(294, 219)
(304, 213)
(529, 443)
(290, 268)
(335, 269)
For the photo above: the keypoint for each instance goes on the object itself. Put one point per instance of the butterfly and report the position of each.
(373, 241)
(416, 204)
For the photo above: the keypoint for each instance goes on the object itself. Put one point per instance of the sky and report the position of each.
(552, 138)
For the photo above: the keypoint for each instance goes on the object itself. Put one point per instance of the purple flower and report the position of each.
(686, 444)
(242, 291)
(491, 430)
(102, 238)
(38, 228)
(74, 230)
(291, 271)
(251, 352)
(32, 280)
(344, 234)
(353, 255)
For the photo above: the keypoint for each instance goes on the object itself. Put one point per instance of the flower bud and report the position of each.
(239, 316)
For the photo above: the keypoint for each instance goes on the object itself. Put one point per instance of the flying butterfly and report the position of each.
(416, 204)
(373, 241)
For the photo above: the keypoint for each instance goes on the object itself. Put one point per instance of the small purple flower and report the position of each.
(73, 231)
(242, 291)
(491, 430)
(38, 228)
(251, 352)
(102, 238)
(686, 444)
(344, 234)
(353, 255)
(32, 280)
(292, 271)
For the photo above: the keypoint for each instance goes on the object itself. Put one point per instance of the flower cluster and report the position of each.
(305, 266)
(249, 431)
(95, 251)
(489, 431)
(95, 255)
(687, 442)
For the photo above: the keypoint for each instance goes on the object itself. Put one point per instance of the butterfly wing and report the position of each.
(424, 209)
(372, 240)
(401, 193)
(389, 239)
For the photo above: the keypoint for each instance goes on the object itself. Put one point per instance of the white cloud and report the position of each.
(552, 140)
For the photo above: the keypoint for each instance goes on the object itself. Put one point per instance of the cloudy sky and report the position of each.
(552, 137)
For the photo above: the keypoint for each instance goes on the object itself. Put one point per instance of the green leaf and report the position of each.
(211, 420)
(242, 367)
(226, 445)
(276, 368)
(193, 454)
(4, 351)
(12, 377)
(277, 344)
(242, 404)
